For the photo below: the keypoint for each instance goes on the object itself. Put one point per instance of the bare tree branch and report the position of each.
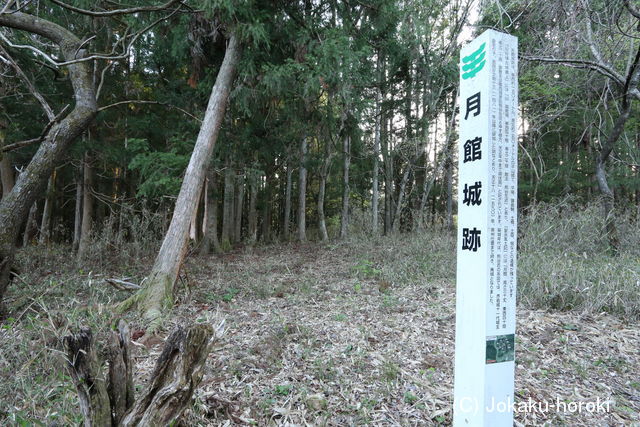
(141, 101)
(117, 12)
(42, 137)
(102, 74)
(632, 10)
(11, 3)
(6, 58)
(603, 69)
(632, 80)
(590, 41)
(124, 54)
(28, 47)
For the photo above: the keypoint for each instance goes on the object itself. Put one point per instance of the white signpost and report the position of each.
(487, 221)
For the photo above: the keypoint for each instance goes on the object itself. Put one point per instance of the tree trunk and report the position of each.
(15, 205)
(439, 161)
(87, 207)
(6, 169)
(77, 221)
(239, 203)
(324, 172)
(227, 206)
(157, 294)
(449, 194)
(428, 181)
(637, 180)
(403, 185)
(388, 177)
(210, 239)
(45, 224)
(346, 159)
(286, 229)
(449, 164)
(31, 227)
(302, 192)
(196, 220)
(252, 226)
(608, 198)
(266, 209)
(375, 195)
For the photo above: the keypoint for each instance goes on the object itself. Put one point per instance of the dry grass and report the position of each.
(351, 333)
(314, 340)
(564, 264)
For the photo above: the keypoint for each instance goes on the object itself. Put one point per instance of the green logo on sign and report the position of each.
(473, 63)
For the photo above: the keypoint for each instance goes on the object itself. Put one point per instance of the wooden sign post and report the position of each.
(486, 241)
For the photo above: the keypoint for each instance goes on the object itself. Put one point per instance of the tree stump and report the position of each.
(107, 398)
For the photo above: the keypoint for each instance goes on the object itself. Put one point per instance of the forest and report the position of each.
(251, 207)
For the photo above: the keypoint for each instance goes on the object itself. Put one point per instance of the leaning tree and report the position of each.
(59, 47)
(157, 294)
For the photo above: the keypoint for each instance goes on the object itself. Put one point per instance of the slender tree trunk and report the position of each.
(608, 198)
(398, 211)
(45, 225)
(227, 205)
(157, 294)
(302, 192)
(322, 223)
(6, 169)
(194, 227)
(375, 195)
(239, 204)
(449, 163)
(87, 207)
(286, 229)
(439, 161)
(252, 226)
(449, 194)
(6, 174)
(608, 204)
(31, 227)
(29, 186)
(346, 159)
(638, 180)
(266, 208)
(388, 178)
(324, 172)
(77, 220)
(211, 230)
(205, 207)
(428, 181)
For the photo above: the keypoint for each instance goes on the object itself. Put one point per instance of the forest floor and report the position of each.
(340, 334)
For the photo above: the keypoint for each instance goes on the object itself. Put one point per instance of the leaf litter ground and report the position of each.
(354, 333)
(319, 335)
